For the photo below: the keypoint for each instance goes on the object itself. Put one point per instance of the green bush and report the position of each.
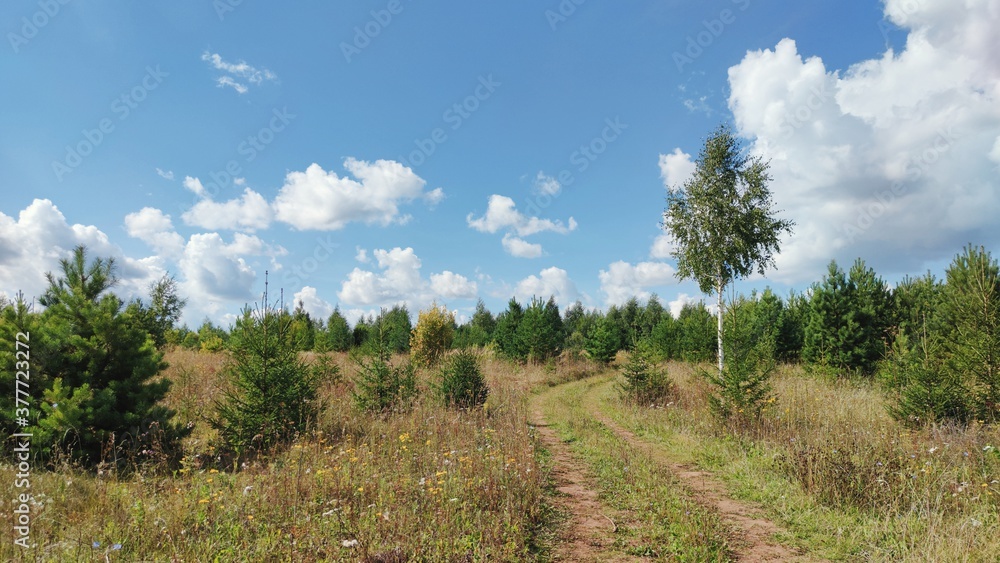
(461, 382)
(643, 382)
(272, 394)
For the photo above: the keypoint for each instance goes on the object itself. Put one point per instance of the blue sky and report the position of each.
(377, 152)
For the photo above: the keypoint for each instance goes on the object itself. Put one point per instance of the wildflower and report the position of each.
(213, 470)
(249, 516)
(116, 547)
(247, 489)
(203, 501)
(932, 450)
(349, 543)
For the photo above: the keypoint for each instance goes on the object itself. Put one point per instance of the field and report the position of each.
(554, 467)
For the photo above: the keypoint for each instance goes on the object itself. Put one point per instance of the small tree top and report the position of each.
(722, 218)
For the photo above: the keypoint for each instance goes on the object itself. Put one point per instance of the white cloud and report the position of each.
(622, 280)
(683, 299)
(890, 161)
(235, 72)
(195, 186)
(547, 185)
(521, 248)
(315, 305)
(167, 175)
(434, 197)
(224, 81)
(663, 247)
(501, 214)
(151, 226)
(320, 200)
(554, 282)
(450, 285)
(400, 281)
(699, 105)
(676, 168)
(33, 244)
(215, 271)
(362, 255)
(250, 212)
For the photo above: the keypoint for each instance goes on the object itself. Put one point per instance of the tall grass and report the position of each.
(832, 464)
(430, 484)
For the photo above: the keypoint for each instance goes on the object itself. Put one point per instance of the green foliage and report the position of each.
(90, 354)
(164, 309)
(432, 336)
(461, 383)
(604, 342)
(790, 336)
(850, 318)
(394, 328)
(722, 218)
(643, 382)
(302, 329)
(272, 394)
(380, 386)
(338, 333)
(971, 317)
(540, 331)
(211, 338)
(742, 390)
(478, 332)
(696, 333)
(926, 391)
(506, 335)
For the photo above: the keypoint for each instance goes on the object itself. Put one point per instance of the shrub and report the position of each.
(642, 382)
(272, 393)
(432, 336)
(461, 382)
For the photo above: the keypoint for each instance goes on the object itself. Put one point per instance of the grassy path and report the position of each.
(664, 508)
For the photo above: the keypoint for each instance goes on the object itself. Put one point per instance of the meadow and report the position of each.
(826, 463)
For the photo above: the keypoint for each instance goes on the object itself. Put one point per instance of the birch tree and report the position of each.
(723, 219)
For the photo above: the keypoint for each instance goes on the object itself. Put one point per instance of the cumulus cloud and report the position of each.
(622, 280)
(236, 75)
(676, 168)
(450, 285)
(195, 186)
(315, 305)
(362, 255)
(165, 174)
(250, 212)
(152, 226)
(550, 282)
(502, 215)
(521, 248)
(400, 281)
(663, 247)
(891, 159)
(321, 200)
(34, 242)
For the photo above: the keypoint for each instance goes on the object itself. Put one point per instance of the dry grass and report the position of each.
(430, 484)
(834, 466)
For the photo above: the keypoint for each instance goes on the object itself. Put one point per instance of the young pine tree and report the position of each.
(100, 393)
(271, 397)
